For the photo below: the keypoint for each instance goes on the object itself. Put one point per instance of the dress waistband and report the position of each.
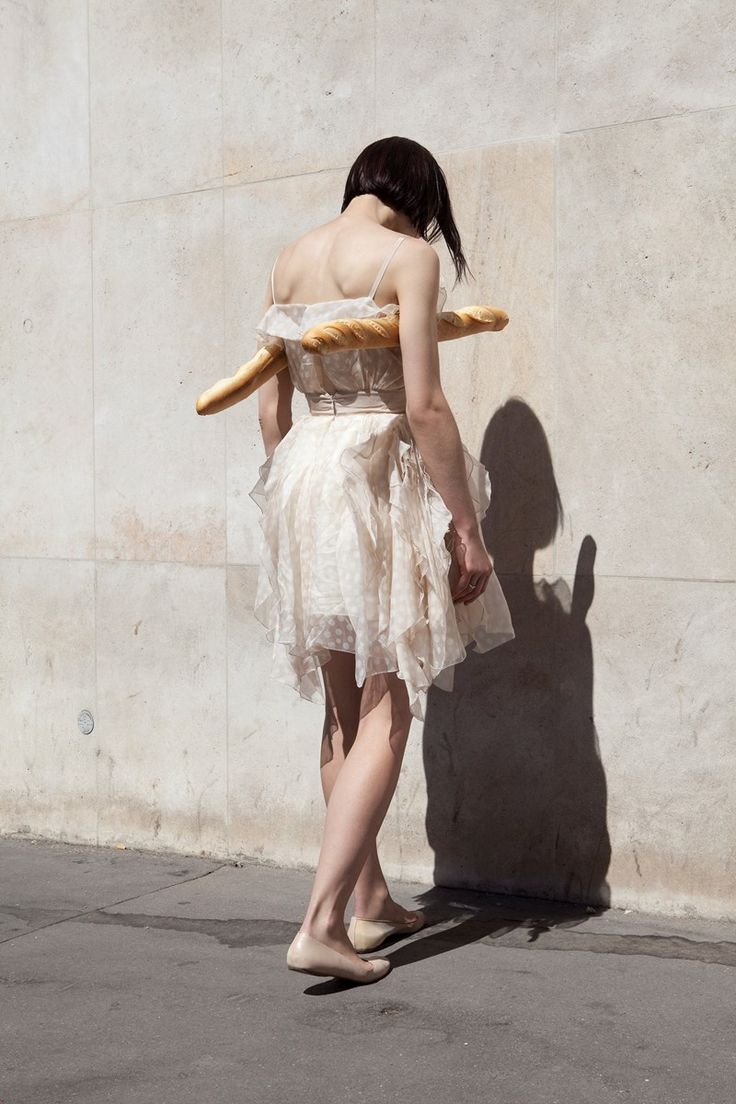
(358, 402)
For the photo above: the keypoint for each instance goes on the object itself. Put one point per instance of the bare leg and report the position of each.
(359, 799)
(373, 899)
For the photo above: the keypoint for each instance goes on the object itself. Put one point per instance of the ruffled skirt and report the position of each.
(354, 557)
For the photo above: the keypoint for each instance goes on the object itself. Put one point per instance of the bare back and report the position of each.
(340, 259)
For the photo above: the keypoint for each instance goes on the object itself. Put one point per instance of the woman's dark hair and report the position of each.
(405, 176)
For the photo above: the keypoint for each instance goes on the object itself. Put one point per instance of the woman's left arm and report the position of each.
(274, 399)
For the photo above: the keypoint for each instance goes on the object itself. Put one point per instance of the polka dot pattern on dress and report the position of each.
(353, 555)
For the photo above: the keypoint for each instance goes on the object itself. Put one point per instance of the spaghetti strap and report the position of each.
(273, 293)
(384, 266)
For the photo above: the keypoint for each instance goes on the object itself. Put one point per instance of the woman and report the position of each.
(374, 574)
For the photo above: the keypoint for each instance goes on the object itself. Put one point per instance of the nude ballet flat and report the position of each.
(366, 935)
(307, 955)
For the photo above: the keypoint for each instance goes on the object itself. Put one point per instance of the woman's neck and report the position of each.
(370, 207)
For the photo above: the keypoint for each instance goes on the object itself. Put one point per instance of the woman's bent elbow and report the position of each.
(427, 411)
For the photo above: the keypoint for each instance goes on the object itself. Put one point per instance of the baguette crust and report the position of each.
(382, 333)
(233, 389)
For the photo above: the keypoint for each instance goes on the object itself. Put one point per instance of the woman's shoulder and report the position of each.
(420, 252)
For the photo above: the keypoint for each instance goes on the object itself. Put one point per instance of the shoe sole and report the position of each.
(400, 932)
(370, 979)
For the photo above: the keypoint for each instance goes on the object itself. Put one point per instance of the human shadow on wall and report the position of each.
(515, 785)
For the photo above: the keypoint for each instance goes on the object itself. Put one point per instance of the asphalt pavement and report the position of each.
(131, 977)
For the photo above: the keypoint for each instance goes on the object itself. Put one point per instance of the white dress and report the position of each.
(354, 554)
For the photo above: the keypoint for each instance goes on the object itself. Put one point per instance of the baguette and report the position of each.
(342, 333)
(269, 360)
(383, 333)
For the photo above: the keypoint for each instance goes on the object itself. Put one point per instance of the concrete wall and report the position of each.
(156, 156)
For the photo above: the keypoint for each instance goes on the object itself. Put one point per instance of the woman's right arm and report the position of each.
(432, 423)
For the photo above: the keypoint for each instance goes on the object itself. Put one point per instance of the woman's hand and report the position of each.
(471, 566)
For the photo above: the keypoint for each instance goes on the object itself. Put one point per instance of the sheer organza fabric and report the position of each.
(354, 555)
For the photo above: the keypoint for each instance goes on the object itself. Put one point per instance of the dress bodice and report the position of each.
(345, 370)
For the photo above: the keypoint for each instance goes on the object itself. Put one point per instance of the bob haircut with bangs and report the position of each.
(405, 176)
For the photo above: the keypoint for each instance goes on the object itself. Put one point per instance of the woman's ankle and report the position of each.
(324, 922)
(372, 902)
